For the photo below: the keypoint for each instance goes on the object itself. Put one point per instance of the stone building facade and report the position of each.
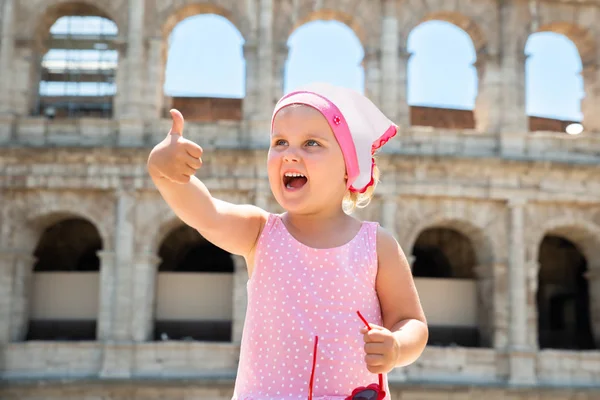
(499, 217)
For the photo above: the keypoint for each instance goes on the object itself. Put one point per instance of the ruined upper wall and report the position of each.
(498, 31)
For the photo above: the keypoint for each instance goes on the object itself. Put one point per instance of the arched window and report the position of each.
(324, 51)
(442, 80)
(554, 86)
(77, 75)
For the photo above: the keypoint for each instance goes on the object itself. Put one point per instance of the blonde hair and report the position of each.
(354, 200)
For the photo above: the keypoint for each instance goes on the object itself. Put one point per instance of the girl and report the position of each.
(332, 306)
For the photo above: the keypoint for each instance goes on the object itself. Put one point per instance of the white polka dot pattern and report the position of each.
(296, 293)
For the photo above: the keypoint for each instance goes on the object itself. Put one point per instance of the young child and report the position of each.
(332, 306)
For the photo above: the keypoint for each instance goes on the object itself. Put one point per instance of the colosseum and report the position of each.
(105, 294)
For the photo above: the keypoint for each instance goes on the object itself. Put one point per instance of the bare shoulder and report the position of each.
(388, 249)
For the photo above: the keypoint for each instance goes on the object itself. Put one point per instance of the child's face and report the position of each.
(303, 143)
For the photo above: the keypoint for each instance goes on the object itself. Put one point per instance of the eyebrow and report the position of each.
(306, 136)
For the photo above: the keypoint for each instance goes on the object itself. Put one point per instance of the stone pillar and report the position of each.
(514, 115)
(487, 114)
(240, 298)
(144, 291)
(104, 326)
(512, 67)
(25, 78)
(131, 127)
(372, 66)
(265, 60)
(7, 44)
(117, 275)
(500, 320)
(591, 102)
(388, 215)
(522, 357)
(16, 269)
(279, 60)
(252, 97)
(392, 95)
(154, 88)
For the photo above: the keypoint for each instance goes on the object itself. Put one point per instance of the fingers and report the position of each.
(193, 149)
(374, 348)
(193, 162)
(375, 336)
(375, 363)
(177, 126)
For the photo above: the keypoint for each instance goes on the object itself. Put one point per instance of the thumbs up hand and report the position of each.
(175, 158)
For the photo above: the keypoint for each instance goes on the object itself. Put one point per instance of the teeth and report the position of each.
(293, 174)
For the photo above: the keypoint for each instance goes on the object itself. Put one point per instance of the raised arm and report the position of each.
(172, 164)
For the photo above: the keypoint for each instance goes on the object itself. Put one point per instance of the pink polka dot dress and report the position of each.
(296, 293)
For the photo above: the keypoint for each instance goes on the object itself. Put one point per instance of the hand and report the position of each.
(175, 158)
(381, 349)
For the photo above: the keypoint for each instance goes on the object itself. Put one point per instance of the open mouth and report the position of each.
(294, 180)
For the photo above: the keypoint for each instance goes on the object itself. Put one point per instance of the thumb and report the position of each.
(177, 126)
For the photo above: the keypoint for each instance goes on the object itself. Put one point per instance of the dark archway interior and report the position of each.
(563, 296)
(184, 250)
(70, 245)
(446, 253)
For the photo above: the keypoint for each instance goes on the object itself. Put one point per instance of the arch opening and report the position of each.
(443, 269)
(194, 289)
(442, 78)
(554, 85)
(563, 296)
(65, 282)
(206, 82)
(324, 51)
(77, 74)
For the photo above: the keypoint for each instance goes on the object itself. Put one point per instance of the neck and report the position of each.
(317, 221)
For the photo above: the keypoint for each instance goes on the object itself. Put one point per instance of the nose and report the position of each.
(290, 156)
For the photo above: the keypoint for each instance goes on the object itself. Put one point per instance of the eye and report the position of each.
(279, 142)
(312, 143)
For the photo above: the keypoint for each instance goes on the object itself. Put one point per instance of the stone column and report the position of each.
(7, 44)
(371, 64)
(117, 275)
(15, 287)
(25, 80)
(131, 127)
(392, 95)
(240, 298)
(105, 323)
(388, 215)
(154, 92)
(517, 276)
(500, 318)
(265, 59)
(144, 291)
(521, 356)
(591, 102)
(279, 60)
(487, 113)
(252, 96)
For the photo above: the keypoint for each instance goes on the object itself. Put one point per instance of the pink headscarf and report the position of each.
(360, 128)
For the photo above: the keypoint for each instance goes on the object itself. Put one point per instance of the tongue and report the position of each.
(297, 182)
